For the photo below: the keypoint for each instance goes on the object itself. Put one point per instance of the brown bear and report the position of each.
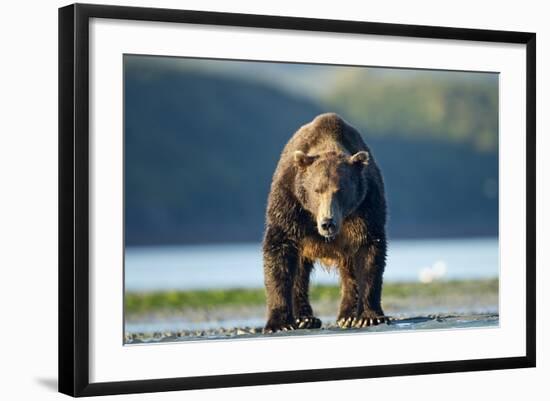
(326, 204)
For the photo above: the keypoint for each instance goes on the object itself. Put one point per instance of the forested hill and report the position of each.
(200, 150)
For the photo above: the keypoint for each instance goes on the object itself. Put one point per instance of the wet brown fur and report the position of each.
(292, 242)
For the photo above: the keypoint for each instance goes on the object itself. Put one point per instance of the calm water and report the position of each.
(240, 265)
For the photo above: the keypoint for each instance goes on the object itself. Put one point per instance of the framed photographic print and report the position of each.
(251, 199)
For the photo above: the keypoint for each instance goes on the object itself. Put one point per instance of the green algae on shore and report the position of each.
(137, 303)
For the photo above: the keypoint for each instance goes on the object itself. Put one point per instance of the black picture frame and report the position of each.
(74, 200)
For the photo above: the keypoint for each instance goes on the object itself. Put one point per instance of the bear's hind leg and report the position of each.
(303, 313)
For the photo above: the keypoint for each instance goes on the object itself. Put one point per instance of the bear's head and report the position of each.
(331, 186)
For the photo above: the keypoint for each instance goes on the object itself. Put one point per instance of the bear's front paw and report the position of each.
(308, 322)
(370, 319)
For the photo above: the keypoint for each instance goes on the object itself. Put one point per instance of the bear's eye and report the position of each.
(318, 190)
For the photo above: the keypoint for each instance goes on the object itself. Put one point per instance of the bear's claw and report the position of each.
(308, 322)
(345, 322)
(273, 329)
(354, 322)
(370, 321)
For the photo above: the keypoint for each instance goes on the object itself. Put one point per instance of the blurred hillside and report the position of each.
(421, 104)
(202, 140)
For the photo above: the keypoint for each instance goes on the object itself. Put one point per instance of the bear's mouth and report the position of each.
(328, 228)
(328, 237)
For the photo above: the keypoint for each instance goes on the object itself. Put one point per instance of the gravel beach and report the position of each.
(428, 322)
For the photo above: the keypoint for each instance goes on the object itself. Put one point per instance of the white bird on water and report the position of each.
(433, 273)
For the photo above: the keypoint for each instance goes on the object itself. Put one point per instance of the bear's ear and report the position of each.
(360, 158)
(303, 160)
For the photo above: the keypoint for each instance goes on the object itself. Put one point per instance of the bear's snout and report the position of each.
(327, 227)
(328, 216)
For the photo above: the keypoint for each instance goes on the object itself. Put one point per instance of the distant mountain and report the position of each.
(448, 106)
(200, 150)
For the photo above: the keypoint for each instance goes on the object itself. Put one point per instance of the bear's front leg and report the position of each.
(280, 265)
(369, 270)
(303, 313)
(347, 313)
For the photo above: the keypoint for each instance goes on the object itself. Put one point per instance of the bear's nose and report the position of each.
(328, 225)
